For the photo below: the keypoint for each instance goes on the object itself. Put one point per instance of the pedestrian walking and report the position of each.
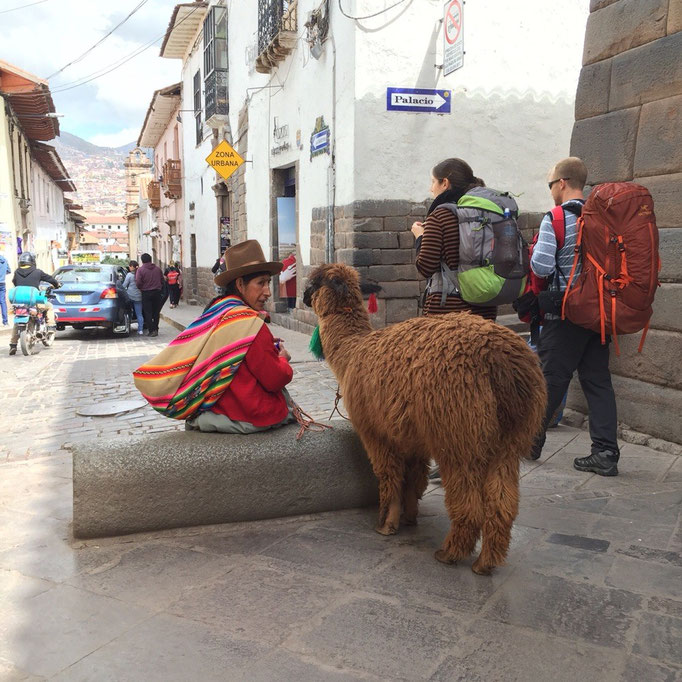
(565, 347)
(150, 282)
(173, 276)
(134, 294)
(4, 271)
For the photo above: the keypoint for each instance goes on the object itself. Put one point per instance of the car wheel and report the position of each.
(61, 327)
(78, 326)
(124, 328)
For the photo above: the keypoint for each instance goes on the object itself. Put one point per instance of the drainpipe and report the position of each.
(331, 172)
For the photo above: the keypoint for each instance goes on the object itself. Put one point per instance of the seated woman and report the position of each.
(226, 372)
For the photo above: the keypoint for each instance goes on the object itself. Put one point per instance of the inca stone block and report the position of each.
(401, 309)
(667, 307)
(367, 225)
(399, 290)
(643, 406)
(607, 145)
(343, 225)
(355, 256)
(659, 360)
(391, 257)
(592, 97)
(659, 141)
(375, 240)
(674, 17)
(397, 223)
(650, 72)
(600, 4)
(623, 25)
(406, 240)
(666, 191)
(670, 247)
(392, 273)
(191, 478)
(381, 208)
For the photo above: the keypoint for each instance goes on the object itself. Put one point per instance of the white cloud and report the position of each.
(115, 139)
(63, 30)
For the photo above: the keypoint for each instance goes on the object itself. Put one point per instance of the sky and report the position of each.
(110, 110)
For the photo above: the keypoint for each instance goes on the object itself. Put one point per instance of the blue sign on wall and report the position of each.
(419, 100)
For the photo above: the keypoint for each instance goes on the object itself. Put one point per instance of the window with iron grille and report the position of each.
(270, 13)
(215, 62)
(197, 106)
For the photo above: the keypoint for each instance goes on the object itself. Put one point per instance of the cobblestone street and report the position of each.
(42, 393)
(592, 588)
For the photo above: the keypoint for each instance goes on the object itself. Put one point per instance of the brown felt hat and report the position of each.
(243, 259)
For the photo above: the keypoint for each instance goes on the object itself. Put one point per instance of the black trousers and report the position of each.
(564, 348)
(174, 293)
(151, 307)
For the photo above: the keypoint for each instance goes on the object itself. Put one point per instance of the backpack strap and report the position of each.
(558, 225)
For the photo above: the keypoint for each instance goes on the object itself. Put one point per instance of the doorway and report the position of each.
(284, 233)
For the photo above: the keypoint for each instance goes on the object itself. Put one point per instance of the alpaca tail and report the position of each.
(521, 393)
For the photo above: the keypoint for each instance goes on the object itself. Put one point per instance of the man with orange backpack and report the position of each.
(565, 347)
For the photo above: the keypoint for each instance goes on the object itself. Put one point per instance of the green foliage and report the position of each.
(110, 260)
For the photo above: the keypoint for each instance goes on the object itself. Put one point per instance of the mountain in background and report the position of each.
(97, 172)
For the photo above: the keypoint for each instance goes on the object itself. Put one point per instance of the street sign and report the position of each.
(453, 36)
(224, 159)
(418, 99)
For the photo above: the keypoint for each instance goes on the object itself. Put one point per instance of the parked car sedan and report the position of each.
(92, 295)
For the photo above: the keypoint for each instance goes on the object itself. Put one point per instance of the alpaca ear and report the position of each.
(369, 287)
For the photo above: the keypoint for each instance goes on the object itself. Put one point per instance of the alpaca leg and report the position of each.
(501, 504)
(389, 469)
(414, 485)
(464, 504)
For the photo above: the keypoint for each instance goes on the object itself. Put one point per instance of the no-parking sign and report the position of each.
(453, 36)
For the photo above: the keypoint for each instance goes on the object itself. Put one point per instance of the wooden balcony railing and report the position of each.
(277, 27)
(154, 194)
(172, 179)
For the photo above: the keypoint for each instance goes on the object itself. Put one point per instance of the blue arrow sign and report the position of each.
(418, 99)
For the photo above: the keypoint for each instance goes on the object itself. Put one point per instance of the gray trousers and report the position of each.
(211, 422)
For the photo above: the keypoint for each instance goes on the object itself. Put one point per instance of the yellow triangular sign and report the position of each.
(224, 159)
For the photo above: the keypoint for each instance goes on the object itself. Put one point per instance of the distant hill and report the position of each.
(97, 172)
(67, 144)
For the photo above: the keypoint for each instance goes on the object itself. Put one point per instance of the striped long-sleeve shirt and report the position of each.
(547, 260)
(440, 241)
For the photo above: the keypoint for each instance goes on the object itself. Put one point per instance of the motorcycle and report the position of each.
(30, 320)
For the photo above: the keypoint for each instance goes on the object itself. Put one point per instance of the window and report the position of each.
(197, 106)
(215, 62)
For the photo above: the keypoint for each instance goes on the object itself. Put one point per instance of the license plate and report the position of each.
(72, 298)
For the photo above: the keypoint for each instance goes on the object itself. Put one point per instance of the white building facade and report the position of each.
(329, 165)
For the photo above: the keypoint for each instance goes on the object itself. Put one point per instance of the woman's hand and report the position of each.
(283, 352)
(417, 229)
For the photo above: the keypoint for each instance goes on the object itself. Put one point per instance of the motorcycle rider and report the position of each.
(28, 275)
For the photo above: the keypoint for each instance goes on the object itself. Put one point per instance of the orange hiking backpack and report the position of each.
(618, 246)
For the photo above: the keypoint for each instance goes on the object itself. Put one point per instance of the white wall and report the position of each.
(203, 219)
(512, 105)
(307, 93)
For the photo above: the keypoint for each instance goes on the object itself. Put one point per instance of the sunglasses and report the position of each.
(549, 184)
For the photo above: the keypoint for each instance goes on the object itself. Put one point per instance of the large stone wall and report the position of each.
(629, 127)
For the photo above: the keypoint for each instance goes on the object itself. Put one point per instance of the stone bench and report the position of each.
(181, 479)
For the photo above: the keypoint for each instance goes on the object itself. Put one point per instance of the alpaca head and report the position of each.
(335, 286)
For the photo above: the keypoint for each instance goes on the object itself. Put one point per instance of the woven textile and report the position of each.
(195, 369)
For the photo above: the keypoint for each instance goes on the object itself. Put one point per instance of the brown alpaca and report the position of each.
(455, 388)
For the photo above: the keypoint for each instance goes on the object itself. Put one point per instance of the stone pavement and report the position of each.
(592, 588)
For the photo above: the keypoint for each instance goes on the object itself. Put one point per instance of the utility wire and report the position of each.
(30, 4)
(369, 16)
(101, 40)
(115, 65)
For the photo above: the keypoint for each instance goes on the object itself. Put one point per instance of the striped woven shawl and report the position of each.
(190, 374)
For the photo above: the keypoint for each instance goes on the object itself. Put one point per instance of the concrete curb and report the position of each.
(184, 479)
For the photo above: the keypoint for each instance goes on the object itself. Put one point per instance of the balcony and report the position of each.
(216, 99)
(276, 32)
(172, 179)
(154, 194)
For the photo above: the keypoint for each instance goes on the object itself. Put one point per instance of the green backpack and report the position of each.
(493, 256)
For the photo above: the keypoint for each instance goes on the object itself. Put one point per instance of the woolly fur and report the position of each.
(455, 388)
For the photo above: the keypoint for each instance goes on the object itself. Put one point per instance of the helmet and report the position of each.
(27, 258)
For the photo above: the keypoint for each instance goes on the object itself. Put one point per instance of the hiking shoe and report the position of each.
(154, 333)
(13, 350)
(604, 463)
